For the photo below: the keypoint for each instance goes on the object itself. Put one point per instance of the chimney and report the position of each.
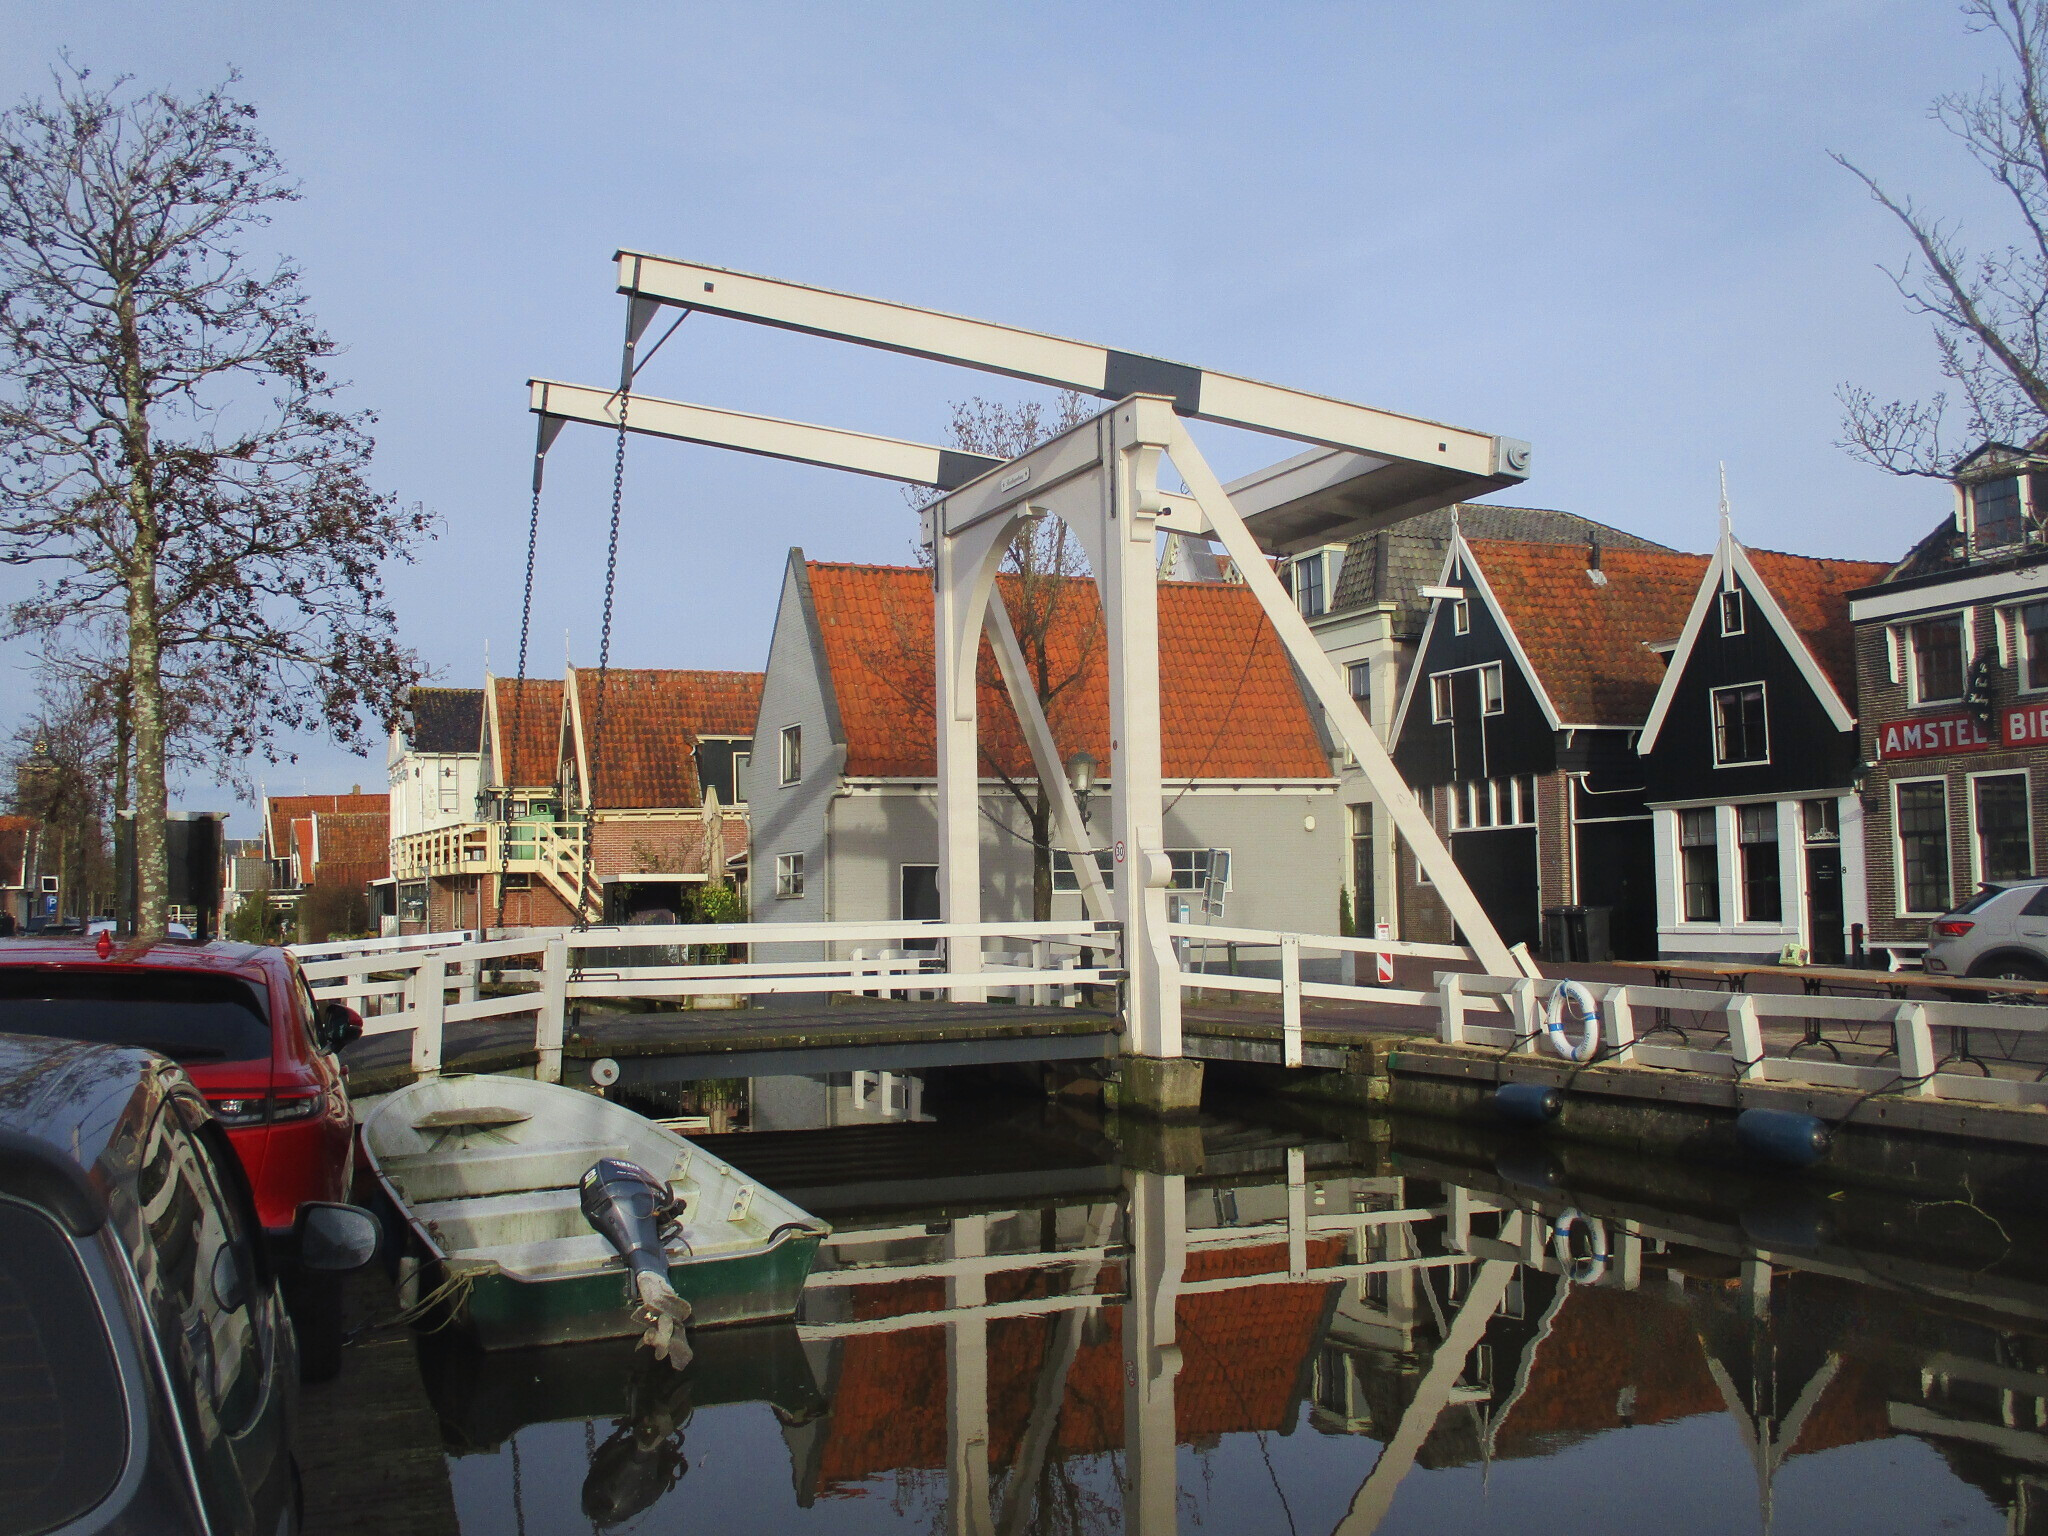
(1592, 549)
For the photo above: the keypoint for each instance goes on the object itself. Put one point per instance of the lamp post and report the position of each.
(1081, 778)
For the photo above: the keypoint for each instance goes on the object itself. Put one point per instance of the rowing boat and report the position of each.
(484, 1170)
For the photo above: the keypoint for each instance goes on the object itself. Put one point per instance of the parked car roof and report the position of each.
(68, 1095)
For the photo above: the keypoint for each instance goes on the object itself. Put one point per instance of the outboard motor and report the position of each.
(636, 1213)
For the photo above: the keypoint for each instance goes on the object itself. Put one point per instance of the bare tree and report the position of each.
(1045, 567)
(1988, 307)
(58, 761)
(171, 455)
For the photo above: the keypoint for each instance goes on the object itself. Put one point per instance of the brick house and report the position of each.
(1750, 753)
(1518, 725)
(1952, 678)
(657, 795)
(325, 853)
(18, 867)
(843, 787)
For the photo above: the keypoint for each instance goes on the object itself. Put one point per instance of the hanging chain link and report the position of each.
(604, 662)
(518, 706)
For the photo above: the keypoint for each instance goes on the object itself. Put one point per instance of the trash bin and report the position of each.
(1579, 934)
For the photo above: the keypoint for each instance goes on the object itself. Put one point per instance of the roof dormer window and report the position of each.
(1731, 611)
(1996, 516)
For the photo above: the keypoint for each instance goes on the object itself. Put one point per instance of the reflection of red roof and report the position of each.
(530, 721)
(652, 721)
(1586, 639)
(1815, 596)
(1230, 707)
(280, 811)
(1242, 1354)
(1853, 1407)
(1600, 1343)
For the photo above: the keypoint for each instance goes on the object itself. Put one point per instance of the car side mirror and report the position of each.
(340, 1025)
(335, 1238)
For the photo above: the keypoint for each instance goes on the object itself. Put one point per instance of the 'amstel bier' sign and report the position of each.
(2023, 726)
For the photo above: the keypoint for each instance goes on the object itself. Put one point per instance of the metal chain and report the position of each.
(518, 707)
(604, 662)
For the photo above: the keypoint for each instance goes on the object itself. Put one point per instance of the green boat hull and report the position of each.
(763, 1286)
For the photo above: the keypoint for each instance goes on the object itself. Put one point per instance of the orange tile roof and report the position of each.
(652, 721)
(280, 811)
(1586, 641)
(352, 840)
(1230, 706)
(533, 734)
(1815, 596)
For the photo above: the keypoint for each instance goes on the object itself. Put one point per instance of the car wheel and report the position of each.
(316, 1316)
(2009, 968)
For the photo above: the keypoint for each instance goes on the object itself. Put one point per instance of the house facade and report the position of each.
(1364, 602)
(1952, 674)
(1750, 755)
(843, 798)
(619, 799)
(1518, 724)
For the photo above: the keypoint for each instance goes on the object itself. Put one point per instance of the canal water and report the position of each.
(1035, 1317)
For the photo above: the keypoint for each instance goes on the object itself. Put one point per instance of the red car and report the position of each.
(244, 1024)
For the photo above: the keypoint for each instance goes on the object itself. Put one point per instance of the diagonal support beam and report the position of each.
(1045, 757)
(1425, 463)
(1315, 666)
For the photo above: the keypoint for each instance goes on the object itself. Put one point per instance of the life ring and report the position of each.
(1586, 1269)
(1554, 1021)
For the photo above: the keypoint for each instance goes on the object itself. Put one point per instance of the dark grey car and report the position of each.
(151, 1372)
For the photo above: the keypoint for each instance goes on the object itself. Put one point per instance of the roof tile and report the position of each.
(653, 719)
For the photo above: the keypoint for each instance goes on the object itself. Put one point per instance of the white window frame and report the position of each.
(791, 762)
(1064, 880)
(1497, 704)
(1977, 875)
(2014, 615)
(1911, 659)
(1461, 616)
(1441, 700)
(1741, 625)
(1679, 847)
(1899, 844)
(1321, 560)
(789, 877)
(742, 765)
(1714, 723)
(2021, 498)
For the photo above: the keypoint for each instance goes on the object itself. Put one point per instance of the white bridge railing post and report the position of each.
(553, 1023)
(429, 1003)
(1290, 999)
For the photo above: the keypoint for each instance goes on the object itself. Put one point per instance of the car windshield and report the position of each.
(1987, 895)
(63, 1427)
(188, 1016)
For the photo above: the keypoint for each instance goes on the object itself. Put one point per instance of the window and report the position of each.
(792, 753)
(1821, 820)
(1309, 596)
(1995, 512)
(448, 786)
(1363, 910)
(1461, 617)
(1756, 833)
(742, 765)
(412, 901)
(1064, 878)
(2032, 624)
(1440, 697)
(64, 1416)
(1740, 735)
(1937, 650)
(2005, 845)
(1504, 802)
(789, 876)
(1490, 694)
(188, 1016)
(1700, 865)
(1731, 612)
(1923, 844)
(1359, 677)
(1193, 866)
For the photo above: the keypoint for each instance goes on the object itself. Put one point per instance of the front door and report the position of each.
(1824, 913)
(918, 893)
(1499, 864)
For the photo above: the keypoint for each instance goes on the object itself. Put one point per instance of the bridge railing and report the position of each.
(430, 981)
(1724, 1035)
(1284, 953)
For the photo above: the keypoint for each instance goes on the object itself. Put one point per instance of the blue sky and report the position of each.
(1611, 229)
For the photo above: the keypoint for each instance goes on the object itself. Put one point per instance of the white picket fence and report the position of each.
(426, 982)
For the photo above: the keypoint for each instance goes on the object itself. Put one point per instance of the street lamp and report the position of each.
(1081, 778)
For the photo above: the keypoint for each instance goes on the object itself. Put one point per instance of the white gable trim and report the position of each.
(1443, 576)
(1500, 619)
(1461, 552)
(1731, 562)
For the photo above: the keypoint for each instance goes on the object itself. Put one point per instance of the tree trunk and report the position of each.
(145, 645)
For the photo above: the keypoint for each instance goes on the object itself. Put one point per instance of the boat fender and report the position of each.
(1527, 1103)
(1531, 1168)
(1783, 1136)
(1580, 1269)
(1572, 995)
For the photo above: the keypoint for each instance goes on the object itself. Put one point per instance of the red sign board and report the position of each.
(1932, 734)
(2027, 725)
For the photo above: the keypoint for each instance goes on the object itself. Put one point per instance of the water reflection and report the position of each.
(1341, 1326)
